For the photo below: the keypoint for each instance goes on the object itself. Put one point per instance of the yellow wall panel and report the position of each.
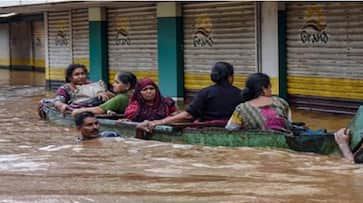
(275, 85)
(83, 61)
(55, 73)
(39, 63)
(139, 74)
(22, 61)
(4, 61)
(326, 87)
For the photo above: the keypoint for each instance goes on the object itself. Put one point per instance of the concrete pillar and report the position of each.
(170, 50)
(97, 44)
(269, 41)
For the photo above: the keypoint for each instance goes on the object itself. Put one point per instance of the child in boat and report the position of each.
(213, 104)
(147, 103)
(76, 77)
(342, 138)
(260, 110)
(123, 83)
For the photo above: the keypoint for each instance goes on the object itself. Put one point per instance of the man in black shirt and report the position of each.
(215, 103)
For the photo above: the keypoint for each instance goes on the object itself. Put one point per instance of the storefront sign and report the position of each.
(313, 31)
(122, 35)
(202, 35)
(61, 38)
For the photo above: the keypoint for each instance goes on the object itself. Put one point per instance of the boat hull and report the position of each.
(322, 144)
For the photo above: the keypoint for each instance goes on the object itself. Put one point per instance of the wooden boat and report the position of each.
(213, 136)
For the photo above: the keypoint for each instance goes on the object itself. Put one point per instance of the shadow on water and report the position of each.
(41, 162)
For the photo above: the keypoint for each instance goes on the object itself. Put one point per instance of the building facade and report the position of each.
(311, 50)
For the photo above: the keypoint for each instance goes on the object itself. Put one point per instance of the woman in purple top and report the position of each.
(76, 76)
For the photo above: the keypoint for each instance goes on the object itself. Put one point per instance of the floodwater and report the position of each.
(41, 162)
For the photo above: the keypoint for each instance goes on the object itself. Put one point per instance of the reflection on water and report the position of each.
(13, 77)
(317, 120)
(41, 162)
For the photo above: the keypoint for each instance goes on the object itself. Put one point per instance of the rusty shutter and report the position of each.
(59, 44)
(38, 45)
(80, 33)
(218, 31)
(132, 39)
(324, 55)
(20, 45)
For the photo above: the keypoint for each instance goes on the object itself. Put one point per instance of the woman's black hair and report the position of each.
(71, 68)
(254, 86)
(127, 78)
(220, 72)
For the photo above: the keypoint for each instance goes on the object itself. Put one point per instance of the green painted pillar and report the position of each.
(282, 54)
(98, 69)
(170, 49)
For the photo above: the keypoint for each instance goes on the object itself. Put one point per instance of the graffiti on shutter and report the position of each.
(62, 38)
(122, 35)
(313, 30)
(202, 35)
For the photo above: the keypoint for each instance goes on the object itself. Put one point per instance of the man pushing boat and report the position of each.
(87, 124)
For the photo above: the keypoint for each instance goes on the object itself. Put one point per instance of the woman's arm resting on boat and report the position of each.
(342, 138)
(95, 110)
(181, 117)
(62, 107)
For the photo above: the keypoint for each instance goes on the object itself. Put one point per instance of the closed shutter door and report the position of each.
(80, 36)
(59, 44)
(218, 31)
(38, 45)
(4, 43)
(132, 40)
(20, 45)
(324, 55)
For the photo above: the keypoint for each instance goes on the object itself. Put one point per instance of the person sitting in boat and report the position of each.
(68, 94)
(342, 137)
(147, 103)
(88, 126)
(123, 83)
(213, 104)
(260, 110)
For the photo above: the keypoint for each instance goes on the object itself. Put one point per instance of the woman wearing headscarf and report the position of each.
(213, 104)
(147, 103)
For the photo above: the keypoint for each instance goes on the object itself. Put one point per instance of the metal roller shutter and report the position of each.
(59, 44)
(324, 55)
(4, 43)
(20, 45)
(132, 40)
(38, 45)
(218, 31)
(80, 33)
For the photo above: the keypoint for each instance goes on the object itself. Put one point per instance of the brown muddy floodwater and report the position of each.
(41, 162)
